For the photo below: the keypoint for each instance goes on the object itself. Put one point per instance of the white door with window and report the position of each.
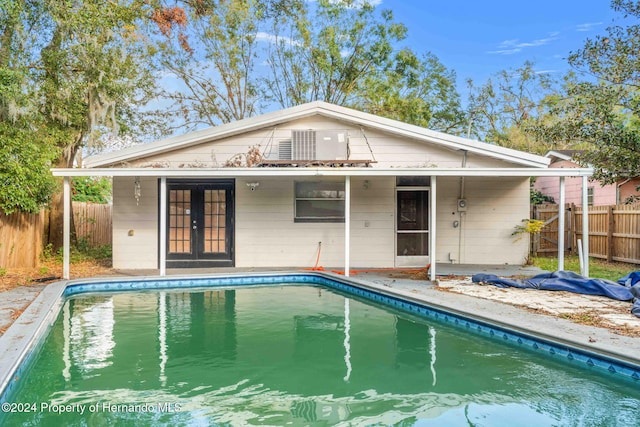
(412, 227)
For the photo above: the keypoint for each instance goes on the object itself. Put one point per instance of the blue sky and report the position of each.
(479, 38)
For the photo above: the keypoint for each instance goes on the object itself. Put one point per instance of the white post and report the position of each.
(66, 227)
(347, 224)
(585, 226)
(432, 230)
(163, 226)
(561, 215)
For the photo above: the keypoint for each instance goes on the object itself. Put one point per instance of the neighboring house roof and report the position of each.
(323, 109)
(556, 155)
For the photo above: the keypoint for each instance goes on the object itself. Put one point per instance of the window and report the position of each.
(413, 181)
(319, 201)
(590, 196)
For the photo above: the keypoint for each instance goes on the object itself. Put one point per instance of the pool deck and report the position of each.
(531, 311)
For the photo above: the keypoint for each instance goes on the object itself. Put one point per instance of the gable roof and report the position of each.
(322, 109)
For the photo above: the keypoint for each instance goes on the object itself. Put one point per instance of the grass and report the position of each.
(81, 251)
(590, 318)
(597, 268)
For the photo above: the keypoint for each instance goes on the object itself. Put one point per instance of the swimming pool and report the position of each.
(300, 349)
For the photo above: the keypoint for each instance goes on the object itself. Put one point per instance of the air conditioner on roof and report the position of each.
(318, 145)
(303, 145)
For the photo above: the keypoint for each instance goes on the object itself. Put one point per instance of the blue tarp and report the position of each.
(632, 281)
(627, 288)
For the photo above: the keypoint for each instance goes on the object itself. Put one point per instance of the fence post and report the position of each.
(573, 232)
(535, 242)
(610, 234)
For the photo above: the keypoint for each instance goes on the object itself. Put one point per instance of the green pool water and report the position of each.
(293, 355)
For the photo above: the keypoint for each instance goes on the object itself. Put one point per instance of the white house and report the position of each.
(325, 185)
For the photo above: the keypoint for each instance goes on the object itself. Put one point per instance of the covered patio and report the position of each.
(346, 173)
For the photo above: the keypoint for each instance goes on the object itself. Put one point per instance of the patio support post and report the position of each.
(347, 224)
(163, 226)
(561, 216)
(585, 226)
(432, 229)
(66, 227)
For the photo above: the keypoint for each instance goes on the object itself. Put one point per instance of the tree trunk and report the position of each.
(55, 213)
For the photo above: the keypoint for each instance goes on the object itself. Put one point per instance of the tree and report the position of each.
(92, 66)
(81, 68)
(216, 69)
(344, 52)
(91, 189)
(27, 147)
(602, 112)
(25, 182)
(327, 49)
(415, 90)
(501, 110)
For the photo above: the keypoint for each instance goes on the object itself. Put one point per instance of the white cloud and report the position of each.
(505, 51)
(588, 26)
(512, 46)
(356, 3)
(274, 39)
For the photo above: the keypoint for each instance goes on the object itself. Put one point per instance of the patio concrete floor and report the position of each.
(547, 313)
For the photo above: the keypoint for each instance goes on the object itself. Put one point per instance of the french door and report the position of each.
(200, 223)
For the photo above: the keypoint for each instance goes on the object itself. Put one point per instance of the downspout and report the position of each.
(462, 214)
(464, 165)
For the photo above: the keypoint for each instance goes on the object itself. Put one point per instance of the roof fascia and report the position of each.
(319, 172)
(428, 135)
(557, 155)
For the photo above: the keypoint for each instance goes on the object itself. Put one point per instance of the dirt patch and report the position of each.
(609, 314)
(51, 271)
(15, 313)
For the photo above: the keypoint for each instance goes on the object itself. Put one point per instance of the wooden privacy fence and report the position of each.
(21, 234)
(93, 223)
(21, 239)
(614, 231)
